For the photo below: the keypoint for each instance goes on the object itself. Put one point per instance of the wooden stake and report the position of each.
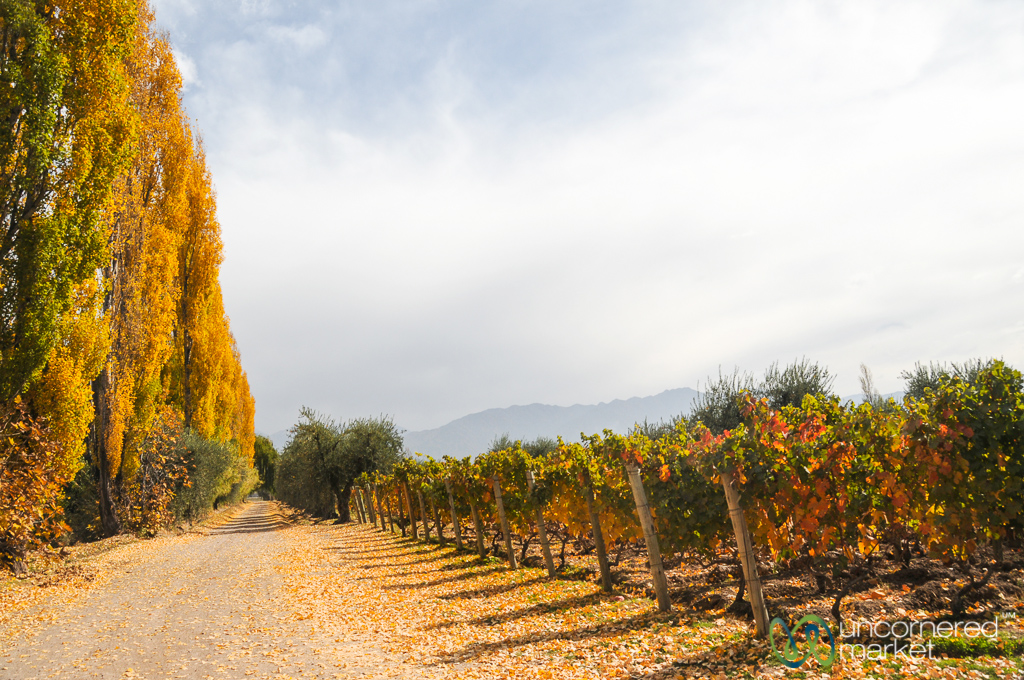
(391, 518)
(650, 537)
(455, 517)
(746, 550)
(542, 532)
(504, 524)
(369, 506)
(412, 517)
(602, 554)
(375, 498)
(437, 522)
(479, 526)
(402, 522)
(360, 507)
(380, 507)
(423, 516)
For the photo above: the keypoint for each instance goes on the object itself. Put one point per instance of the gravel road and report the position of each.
(199, 606)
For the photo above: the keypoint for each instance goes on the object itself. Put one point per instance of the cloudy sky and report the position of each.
(432, 208)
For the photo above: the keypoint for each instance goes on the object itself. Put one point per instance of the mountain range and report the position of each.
(472, 434)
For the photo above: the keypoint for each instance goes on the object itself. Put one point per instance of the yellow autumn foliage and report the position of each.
(63, 394)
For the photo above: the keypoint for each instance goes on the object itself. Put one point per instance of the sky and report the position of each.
(434, 208)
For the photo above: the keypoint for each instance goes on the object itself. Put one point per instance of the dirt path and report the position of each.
(207, 606)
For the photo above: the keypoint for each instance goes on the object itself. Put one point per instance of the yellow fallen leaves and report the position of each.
(447, 614)
(66, 577)
(463, 617)
(348, 591)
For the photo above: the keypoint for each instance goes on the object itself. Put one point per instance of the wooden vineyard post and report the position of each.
(746, 550)
(380, 507)
(360, 508)
(602, 553)
(353, 504)
(542, 532)
(479, 526)
(402, 523)
(437, 522)
(396, 520)
(369, 506)
(364, 502)
(455, 518)
(504, 524)
(371, 492)
(412, 517)
(391, 518)
(375, 498)
(423, 516)
(650, 537)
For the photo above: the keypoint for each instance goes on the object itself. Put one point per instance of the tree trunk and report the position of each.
(344, 517)
(110, 525)
(542, 532)
(455, 517)
(479, 526)
(651, 538)
(186, 372)
(602, 554)
(746, 550)
(504, 524)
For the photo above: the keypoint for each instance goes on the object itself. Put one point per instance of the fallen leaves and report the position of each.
(342, 594)
(454, 615)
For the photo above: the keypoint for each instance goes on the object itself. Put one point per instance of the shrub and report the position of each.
(32, 473)
(145, 499)
(213, 473)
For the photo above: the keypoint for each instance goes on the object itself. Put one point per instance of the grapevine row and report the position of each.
(824, 484)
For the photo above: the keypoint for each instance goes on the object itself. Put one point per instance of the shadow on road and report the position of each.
(251, 524)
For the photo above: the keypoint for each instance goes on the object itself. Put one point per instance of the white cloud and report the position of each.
(302, 37)
(417, 223)
(187, 69)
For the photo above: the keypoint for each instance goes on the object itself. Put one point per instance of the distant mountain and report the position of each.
(280, 438)
(472, 434)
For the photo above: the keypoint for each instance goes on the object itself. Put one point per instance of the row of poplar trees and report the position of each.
(111, 317)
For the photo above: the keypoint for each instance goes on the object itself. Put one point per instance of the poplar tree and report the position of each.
(144, 226)
(67, 133)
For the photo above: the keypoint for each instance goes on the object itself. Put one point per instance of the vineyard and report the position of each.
(841, 497)
(675, 551)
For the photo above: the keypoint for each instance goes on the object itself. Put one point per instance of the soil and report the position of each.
(924, 588)
(203, 605)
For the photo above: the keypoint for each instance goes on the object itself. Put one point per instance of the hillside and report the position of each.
(471, 434)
